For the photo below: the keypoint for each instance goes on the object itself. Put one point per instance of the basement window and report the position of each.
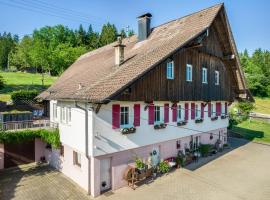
(77, 159)
(170, 70)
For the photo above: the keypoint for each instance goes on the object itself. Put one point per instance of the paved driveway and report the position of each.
(243, 173)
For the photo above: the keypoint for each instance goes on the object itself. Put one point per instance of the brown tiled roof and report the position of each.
(100, 79)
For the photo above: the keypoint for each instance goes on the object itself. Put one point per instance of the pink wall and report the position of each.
(1, 156)
(40, 147)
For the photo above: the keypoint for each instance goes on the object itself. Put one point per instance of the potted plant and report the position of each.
(125, 131)
(204, 149)
(214, 118)
(223, 116)
(164, 167)
(181, 123)
(160, 126)
(139, 164)
(179, 161)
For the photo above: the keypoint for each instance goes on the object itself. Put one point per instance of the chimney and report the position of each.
(119, 51)
(144, 26)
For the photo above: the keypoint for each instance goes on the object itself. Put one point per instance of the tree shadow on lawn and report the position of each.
(11, 88)
(233, 142)
(10, 178)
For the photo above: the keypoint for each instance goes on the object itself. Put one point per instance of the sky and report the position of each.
(249, 19)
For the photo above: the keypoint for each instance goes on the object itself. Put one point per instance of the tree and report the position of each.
(7, 44)
(108, 34)
(81, 36)
(92, 38)
(2, 82)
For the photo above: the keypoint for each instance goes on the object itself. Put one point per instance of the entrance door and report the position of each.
(19, 153)
(105, 174)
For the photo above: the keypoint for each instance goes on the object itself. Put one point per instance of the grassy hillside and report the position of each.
(262, 105)
(254, 130)
(19, 80)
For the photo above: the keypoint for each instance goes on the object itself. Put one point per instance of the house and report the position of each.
(183, 73)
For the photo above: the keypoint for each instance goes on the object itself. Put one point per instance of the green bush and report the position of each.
(180, 161)
(50, 136)
(2, 82)
(164, 167)
(24, 95)
(204, 149)
(139, 163)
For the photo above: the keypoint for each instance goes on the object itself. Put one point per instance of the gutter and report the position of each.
(86, 143)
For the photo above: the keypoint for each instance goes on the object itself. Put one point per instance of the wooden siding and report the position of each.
(155, 86)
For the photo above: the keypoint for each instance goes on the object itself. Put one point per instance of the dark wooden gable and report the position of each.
(209, 53)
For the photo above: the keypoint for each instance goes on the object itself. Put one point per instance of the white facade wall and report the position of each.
(108, 140)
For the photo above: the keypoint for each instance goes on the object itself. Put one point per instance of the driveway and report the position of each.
(242, 172)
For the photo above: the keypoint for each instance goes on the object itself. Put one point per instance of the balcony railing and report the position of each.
(31, 124)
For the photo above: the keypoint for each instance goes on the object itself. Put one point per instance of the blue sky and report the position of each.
(249, 19)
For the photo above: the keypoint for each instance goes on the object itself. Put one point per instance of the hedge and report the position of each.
(24, 95)
(2, 82)
(50, 136)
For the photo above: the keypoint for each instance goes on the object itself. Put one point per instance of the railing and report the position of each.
(31, 124)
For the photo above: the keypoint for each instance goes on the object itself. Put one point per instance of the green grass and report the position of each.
(15, 81)
(262, 105)
(254, 130)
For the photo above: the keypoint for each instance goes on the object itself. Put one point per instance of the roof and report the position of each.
(100, 79)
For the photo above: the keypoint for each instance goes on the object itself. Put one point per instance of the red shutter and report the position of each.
(209, 109)
(151, 114)
(202, 111)
(226, 108)
(174, 112)
(218, 108)
(192, 110)
(137, 114)
(186, 111)
(166, 113)
(115, 116)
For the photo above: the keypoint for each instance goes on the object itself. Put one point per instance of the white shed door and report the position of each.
(105, 174)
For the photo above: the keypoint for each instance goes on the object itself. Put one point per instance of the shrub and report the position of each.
(2, 82)
(164, 167)
(180, 160)
(24, 95)
(204, 149)
(139, 163)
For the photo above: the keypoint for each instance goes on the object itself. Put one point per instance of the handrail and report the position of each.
(28, 124)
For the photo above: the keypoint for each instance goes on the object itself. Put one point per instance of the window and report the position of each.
(197, 112)
(212, 110)
(196, 142)
(179, 112)
(124, 116)
(54, 111)
(222, 108)
(204, 75)
(157, 113)
(63, 115)
(189, 72)
(216, 77)
(68, 114)
(77, 159)
(170, 70)
(178, 144)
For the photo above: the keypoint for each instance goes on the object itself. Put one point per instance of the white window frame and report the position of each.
(128, 116)
(189, 72)
(204, 75)
(180, 111)
(156, 112)
(216, 77)
(197, 112)
(68, 113)
(63, 117)
(170, 70)
(213, 111)
(222, 108)
(54, 111)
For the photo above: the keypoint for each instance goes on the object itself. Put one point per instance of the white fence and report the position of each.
(32, 124)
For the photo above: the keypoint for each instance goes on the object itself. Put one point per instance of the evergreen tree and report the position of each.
(108, 34)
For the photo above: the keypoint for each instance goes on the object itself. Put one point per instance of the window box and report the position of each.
(223, 116)
(130, 130)
(214, 118)
(160, 126)
(181, 123)
(198, 121)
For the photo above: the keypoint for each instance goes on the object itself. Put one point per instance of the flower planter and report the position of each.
(223, 116)
(181, 123)
(198, 121)
(126, 131)
(160, 126)
(214, 118)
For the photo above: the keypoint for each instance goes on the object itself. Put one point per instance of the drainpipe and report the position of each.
(86, 143)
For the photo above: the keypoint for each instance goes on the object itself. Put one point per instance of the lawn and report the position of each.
(254, 130)
(262, 105)
(19, 80)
